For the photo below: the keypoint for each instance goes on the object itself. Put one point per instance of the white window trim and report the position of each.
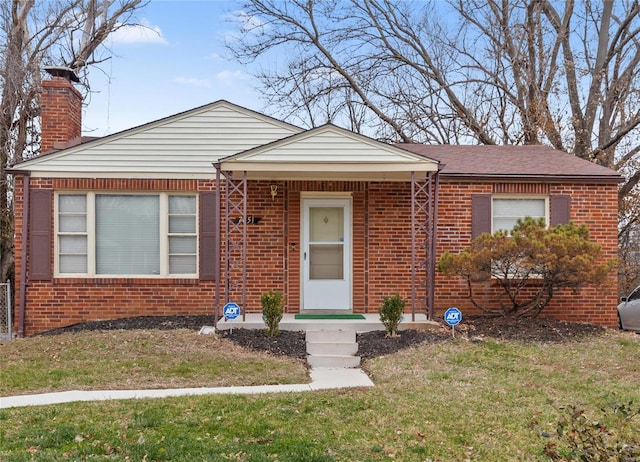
(522, 197)
(91, 235)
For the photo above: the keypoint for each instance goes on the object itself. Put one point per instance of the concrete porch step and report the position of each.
(334, 334)
(335, 347)
(333, 361)
(332, 348)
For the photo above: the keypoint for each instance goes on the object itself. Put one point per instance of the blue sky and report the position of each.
(174, 64)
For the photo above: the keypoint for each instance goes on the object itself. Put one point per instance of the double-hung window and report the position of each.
(506, 211)
(126, 234)
(72, 233)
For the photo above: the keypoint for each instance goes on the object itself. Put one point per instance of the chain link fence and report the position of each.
(6, 311)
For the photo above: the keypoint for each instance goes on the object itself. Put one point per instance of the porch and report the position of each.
(370, 322)
(334, 230)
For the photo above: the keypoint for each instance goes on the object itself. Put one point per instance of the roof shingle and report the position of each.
(535, 162)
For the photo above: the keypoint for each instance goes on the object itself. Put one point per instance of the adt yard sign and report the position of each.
(231, 311)
(453, 316)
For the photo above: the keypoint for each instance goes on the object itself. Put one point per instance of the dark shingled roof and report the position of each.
(518, 162)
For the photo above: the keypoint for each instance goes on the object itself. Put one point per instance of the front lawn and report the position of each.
(449, 401)
(132, 359)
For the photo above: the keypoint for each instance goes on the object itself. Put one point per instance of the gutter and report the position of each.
(524, 178)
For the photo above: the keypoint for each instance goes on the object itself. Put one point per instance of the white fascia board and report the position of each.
(159, 175)
(425, 166)
(385, 176)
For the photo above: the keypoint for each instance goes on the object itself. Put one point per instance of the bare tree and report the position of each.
(68, 33)
(566, 74)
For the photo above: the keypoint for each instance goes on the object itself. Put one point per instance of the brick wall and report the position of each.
(66, 301)
(266, 244)
(381, 252)
(593, 205)
(70, 301)
(389, 264)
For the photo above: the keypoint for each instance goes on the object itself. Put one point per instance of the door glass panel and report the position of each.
(326, 224)
(326, 261)
(326, 246)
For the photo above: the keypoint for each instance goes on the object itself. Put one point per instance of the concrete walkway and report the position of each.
(321, 379)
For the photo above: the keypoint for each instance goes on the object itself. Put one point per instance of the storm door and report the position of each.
(326, 254)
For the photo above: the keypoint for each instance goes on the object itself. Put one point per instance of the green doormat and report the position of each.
(329, 316)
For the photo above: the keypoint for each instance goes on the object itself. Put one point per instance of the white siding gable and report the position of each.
(182, 146)
(332, 151)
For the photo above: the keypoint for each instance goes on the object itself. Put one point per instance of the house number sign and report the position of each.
(251, 220)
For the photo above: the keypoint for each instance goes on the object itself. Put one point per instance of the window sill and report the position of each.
(129, 281)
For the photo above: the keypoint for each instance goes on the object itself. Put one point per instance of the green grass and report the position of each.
(137, 359)
(454, 401)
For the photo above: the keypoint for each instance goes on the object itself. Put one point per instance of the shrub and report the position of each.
(582, 439)
(272, 310)
(532, 256)
(391, 314)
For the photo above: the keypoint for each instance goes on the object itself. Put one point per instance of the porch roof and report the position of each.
(327, 152)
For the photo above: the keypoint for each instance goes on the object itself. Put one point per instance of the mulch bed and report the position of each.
(370, 344)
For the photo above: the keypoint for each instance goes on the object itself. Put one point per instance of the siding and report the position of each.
(183, 146)
(331, 144)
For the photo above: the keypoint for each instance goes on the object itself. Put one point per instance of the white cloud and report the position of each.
(215, 57)
(192, 81)
(246, 24)
(229, 77)
(246, 21)
(140, 33)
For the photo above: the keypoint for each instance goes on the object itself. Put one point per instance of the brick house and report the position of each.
(221, 203)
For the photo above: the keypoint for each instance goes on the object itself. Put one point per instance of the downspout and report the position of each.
(434, 238)
(244, 247)
(216, 251)
(413, 246)
(23, 255)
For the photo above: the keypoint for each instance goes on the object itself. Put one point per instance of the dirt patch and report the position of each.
(370, 344)
(373, 344)
(141, 322)
(287, 343)
(531, 329)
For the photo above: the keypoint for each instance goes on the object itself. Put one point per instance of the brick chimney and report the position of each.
(61, 109)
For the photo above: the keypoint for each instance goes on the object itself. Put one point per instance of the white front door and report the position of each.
(326, 254)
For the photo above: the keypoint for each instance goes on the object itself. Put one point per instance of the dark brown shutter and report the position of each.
(560, 210)
(40, 236)
(480, 214)
(209, 216)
